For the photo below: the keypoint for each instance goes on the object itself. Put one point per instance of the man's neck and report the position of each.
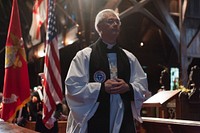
(109, 45)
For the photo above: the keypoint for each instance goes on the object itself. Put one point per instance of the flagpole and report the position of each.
(2, 50)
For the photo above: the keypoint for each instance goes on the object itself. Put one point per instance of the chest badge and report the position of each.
(99, 76)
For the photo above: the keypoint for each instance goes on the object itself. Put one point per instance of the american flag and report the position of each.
(52, 74)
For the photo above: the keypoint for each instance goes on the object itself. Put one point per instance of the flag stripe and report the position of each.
(54, 74)
(54, 83)
(37, 4)
(55, 54)
(49, 95)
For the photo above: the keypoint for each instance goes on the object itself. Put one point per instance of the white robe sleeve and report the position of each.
(139, 83)
(81, 95)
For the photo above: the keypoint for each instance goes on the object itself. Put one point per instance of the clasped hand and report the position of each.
(116, 86)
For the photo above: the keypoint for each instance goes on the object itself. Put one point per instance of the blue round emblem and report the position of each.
(99, 76)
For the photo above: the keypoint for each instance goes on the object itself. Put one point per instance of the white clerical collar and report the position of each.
(109, 46)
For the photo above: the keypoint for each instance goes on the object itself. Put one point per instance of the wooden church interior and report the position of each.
(162, 34)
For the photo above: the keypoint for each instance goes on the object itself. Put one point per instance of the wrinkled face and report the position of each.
(110, 27)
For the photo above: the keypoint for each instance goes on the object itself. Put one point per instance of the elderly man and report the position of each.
(105, 84)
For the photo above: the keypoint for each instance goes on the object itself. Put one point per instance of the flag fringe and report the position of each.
(18, 108)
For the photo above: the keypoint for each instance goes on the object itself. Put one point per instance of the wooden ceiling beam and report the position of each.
(138, 6)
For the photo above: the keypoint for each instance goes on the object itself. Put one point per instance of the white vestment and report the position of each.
(82, 95)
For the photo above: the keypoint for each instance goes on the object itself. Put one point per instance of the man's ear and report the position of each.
(99, 26)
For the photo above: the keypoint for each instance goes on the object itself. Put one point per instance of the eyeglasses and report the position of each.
(112, 21)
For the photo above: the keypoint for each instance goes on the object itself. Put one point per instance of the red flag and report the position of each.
(16, 91)
(38, 18)
(52, 81)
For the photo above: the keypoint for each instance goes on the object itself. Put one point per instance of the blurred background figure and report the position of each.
(164, 80)
(36, 107)
(35, 104)
(194, 85)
